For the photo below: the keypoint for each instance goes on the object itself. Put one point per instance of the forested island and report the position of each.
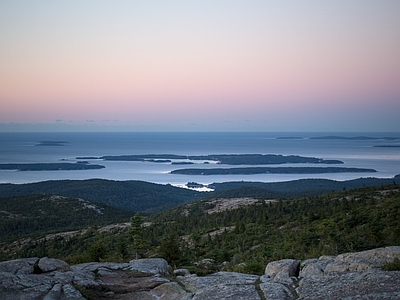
(83, 165)
(270, 170)
(227, 159)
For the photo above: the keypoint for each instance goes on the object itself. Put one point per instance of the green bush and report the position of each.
(392, 266)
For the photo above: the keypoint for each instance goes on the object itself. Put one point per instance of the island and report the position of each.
(270, 170)
(82, 165)
(387, 146)
(227, 159)
(356, 138)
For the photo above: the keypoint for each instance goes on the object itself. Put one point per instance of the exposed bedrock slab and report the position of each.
(347, 276)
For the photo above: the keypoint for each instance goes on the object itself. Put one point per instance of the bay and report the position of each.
(54, 147)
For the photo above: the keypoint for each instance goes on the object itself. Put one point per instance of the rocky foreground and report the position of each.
(347, 276)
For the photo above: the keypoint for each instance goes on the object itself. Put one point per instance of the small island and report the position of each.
(51, 143)
(81, 165)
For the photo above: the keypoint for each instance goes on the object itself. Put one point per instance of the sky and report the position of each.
(126, 65)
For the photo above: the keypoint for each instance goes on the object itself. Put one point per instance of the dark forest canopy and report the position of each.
(27, 216)
(247, 236)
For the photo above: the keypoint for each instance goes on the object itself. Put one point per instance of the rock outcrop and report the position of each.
(347, 276)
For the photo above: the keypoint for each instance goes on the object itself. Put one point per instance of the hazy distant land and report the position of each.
(289, 138)
(360, 138)
(50, 166)
(387, 146)
(51, 143)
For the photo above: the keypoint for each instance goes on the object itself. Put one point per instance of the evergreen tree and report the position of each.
(139, 241)
(170, 248)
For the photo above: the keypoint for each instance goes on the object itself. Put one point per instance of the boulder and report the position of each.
(283, 268)
(314, 267)
(355, 275)
(46, 264)
(349, 262)
(150, 265)
(181, 272)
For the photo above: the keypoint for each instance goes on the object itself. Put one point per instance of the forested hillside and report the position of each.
(129, 195)
(35, 215)
(140, 196)
(245, 233)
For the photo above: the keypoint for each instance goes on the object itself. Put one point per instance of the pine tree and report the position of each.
(139, 241)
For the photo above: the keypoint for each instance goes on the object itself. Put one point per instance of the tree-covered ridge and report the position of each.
(294, 188)
(254, 234)
(227, 159)
(302, 228)
(27, 216)
(140, 196)
(129, 195)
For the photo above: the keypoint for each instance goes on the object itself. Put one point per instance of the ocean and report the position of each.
(379, 151)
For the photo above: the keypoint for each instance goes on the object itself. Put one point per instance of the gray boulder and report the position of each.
(150, 265)
(351, 276)
(283, 268)
(46, 264)
(181, 272)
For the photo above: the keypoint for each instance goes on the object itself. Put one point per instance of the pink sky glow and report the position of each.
(206, 66)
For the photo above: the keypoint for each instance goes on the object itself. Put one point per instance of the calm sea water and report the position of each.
(22, 148)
